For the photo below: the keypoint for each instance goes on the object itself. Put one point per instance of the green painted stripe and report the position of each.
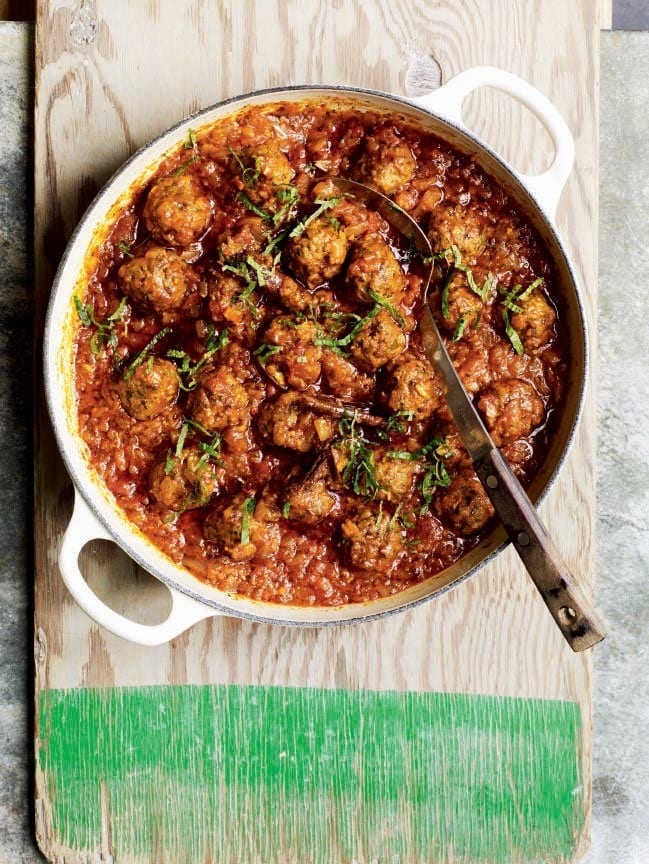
(269, 774)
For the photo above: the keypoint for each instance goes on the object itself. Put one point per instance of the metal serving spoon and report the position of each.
(579, 623)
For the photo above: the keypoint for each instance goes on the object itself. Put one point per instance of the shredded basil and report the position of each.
(141, 357)
(184, 166)
(105, 334)
(248, 175)
(190, 143)
(286, 509)
(247, 509)
(359, 474)
(125, 248)
(323, 206)
(250, 205)
(265, 351)
(187, 368)
(513, 336)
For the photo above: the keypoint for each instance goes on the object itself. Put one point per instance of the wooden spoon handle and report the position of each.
(578, 622)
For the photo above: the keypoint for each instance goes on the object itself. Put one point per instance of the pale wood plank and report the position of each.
(145, 67)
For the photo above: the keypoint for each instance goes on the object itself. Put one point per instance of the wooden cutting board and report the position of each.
(456, 732)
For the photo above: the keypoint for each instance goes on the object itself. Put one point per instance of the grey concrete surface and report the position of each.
(631, 14)
(620, 832)
(16, 835)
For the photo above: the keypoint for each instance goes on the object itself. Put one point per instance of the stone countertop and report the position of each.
(621, 762)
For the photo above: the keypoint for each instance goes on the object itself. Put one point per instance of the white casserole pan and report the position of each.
(96, 515)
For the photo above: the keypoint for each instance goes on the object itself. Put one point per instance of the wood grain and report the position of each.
(110, 76)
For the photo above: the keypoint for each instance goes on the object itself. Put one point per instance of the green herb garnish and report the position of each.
(187, 368)
(248, 175)
(184, 166)
(463, 320)
(323, 206)
(287, 196)
(265, 351)
(247, 509)
(359, 474)
(436, 473)
(125, 248)
(141, 357)
(105, 334)
(190, 143)
(286, 508)
(513, 336)
(250, 205)
(211, 451)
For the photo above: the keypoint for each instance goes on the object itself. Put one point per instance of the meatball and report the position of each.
(373, 267)
(241, 532)
(386, 163)
(395, 476)
(454, 225)
(227, 302)
(309, 499)
(464, 505)
(220, 400)
(414, 390)
(153, 386)
(299, 299)
(186, 481)
(535, 324)
(372, 540)
(511, 409)
(288, 423)
(461, 304)
(344, 380)
(296, 361)
(158, 281)
(264, 169)
(177, 210)
(379, 340)
(471, 360)
(318, 253)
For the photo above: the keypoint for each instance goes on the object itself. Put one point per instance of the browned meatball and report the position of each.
(297, 362)
(394, 476)
(373, 267)
(152, 387)
(535, 324)
(288, 423)
(379, 340)
(309, 498)
(264, 169)
(186, 481)
(318, 254)
(462, 304)
(220, 400)
(177, 210)
(471, 359)
(372, 540)
(414, 389)
(387, 162)
(464, 505)
(229, 301)
(158, 281)
(344, 380)
(511, 409)
(299, 299)
(454, 225)
(240, 532)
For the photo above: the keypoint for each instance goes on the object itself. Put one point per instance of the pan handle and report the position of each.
(83, 528)
(448, 101)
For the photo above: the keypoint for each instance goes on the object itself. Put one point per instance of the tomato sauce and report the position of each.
(250, 379)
